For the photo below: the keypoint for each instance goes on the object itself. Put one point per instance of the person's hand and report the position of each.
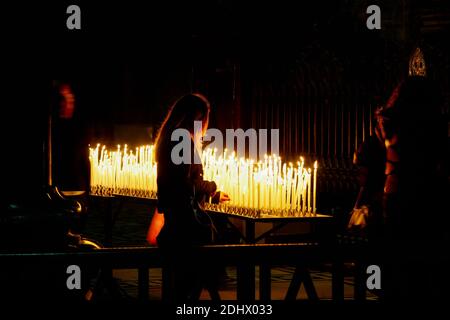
(358, 219)
(224, 197)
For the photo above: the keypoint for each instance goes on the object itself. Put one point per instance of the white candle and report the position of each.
(315, 184)
(268, 184)
(309, 189)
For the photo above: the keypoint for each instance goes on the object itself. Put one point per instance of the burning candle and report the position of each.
(309, 190)
(269, 185)
(314, 186)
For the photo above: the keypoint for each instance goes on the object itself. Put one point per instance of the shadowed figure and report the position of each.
(367, 214)
(415, 191)
(181, 191)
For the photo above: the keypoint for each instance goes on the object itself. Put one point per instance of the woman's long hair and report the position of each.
(182, 114)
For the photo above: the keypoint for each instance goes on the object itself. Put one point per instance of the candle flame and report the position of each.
(270, 186)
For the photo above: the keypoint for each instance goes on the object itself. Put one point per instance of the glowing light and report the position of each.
(265, 188)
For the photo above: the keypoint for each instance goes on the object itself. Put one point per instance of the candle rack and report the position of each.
(254, 213)
(266, 188)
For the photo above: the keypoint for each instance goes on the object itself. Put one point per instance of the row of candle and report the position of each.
(268, 186)
(123, 171)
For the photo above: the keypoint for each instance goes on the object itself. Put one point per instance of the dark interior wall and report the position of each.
(322, 92)
(313, 70)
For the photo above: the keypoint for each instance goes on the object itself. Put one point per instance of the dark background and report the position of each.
(310, 68)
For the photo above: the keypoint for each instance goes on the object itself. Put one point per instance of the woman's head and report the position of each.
(182, 115)
(190, 108)
(413, 105)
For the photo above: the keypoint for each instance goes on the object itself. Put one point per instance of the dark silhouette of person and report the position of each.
(366, 219)
(70, 145)
(415, 191)
(181, 188)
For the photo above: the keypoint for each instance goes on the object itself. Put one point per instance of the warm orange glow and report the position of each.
(266, 187)
(123, 171)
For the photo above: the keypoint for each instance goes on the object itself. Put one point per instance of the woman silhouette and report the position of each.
(181, 190)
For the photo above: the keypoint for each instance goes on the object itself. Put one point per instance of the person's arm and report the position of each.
(363, 195)
(202, 187)
(190, 177)
(358, 214)
(363, 160)
(155, 227)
